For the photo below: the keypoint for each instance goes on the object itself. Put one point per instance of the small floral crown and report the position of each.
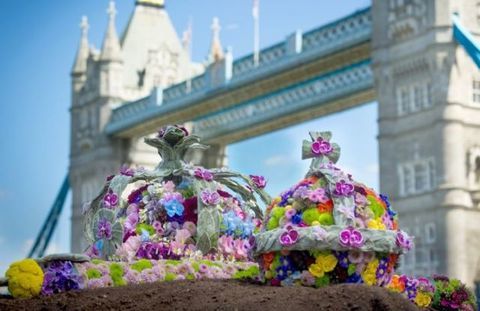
(344, 234)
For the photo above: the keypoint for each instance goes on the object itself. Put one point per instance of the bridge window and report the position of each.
(404, 102)
(413, 98)
(430, 233)
(417, 177)
(476, 91)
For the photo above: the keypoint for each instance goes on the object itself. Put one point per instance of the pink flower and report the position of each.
(259, 181)
(129, 249)
(210, 197)
(321, 147)
(190, 226)
(289, 237)
(351, 237)
(290, 213)
(355, 256)
(203, 174)
(157, 225)
(169, 186)
(110, 200)
(403, 240)
(318, 196)
(182, 235)
(225, 244)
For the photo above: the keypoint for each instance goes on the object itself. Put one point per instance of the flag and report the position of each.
(256, 8)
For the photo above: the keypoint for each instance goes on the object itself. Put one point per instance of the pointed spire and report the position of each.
(80, 65)
(216, 50)
(111, 50)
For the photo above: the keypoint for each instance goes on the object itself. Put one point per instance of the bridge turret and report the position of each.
(111, 60)
(428, 123)
(79, 68)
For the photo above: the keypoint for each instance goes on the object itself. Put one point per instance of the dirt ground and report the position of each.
(217, 295)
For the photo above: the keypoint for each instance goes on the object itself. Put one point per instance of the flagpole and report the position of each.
(256, 35)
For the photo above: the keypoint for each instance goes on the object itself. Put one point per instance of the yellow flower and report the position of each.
(25, 278)
(423, 300)
(369, 274)
(376, 224)
(323, 263)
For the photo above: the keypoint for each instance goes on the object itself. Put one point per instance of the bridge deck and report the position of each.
(304, 77)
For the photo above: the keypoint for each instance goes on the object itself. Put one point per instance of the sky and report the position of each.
(38, 42)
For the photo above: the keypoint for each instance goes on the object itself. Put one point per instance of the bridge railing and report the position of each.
(309, 94)
(297, 48)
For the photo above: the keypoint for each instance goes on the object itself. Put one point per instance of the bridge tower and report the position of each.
(149, 56)
(428, 90)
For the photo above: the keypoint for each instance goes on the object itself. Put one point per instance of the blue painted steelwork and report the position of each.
(333, 85)
(465, 38)
(334, 37)
(45, 235)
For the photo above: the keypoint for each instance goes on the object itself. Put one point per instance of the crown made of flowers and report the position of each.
(328, 210)
(174, 203)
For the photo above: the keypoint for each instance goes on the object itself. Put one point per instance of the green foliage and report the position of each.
(116, 273)
(93, 274)
(376, 207)
(97, 261)
(351, 269)
(278, 212)
(170, 277)
(326, 219)
(322, 281)
(310, 215)
(272, 223)
(148, 228)
(141, 265)
(250, 273)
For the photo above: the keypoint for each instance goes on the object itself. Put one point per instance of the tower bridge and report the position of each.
(414, 57)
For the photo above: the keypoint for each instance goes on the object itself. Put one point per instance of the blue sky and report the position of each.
(38, 41)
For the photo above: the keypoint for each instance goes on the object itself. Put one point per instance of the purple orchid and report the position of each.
(203, 174)
(104, 229)
(110, 200)
(344, 188)
(210, 197)
(259, 181)
(126, 170)
(351, 237)
(289, 237)
(318, 196)
(403, 240)
(321, 147)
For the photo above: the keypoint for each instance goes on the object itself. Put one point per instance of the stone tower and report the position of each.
(428, 91)
(149, 55)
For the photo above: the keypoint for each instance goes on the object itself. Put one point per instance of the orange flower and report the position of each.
(268, 259)
(395, 225)
(326, 207)
(397, 284)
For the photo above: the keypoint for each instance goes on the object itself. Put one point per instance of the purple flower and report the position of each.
(110, 200)
(344, 188)
(104, 229)
(289, 237)
(204, 174)
(259, 181)
(321, 147)
(127, 171)
(403, 240)
(210, 197)
(61, 276)
(351, 237)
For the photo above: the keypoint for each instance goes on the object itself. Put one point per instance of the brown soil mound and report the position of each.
(217, 295)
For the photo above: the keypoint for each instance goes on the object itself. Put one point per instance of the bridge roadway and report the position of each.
(304, 77)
